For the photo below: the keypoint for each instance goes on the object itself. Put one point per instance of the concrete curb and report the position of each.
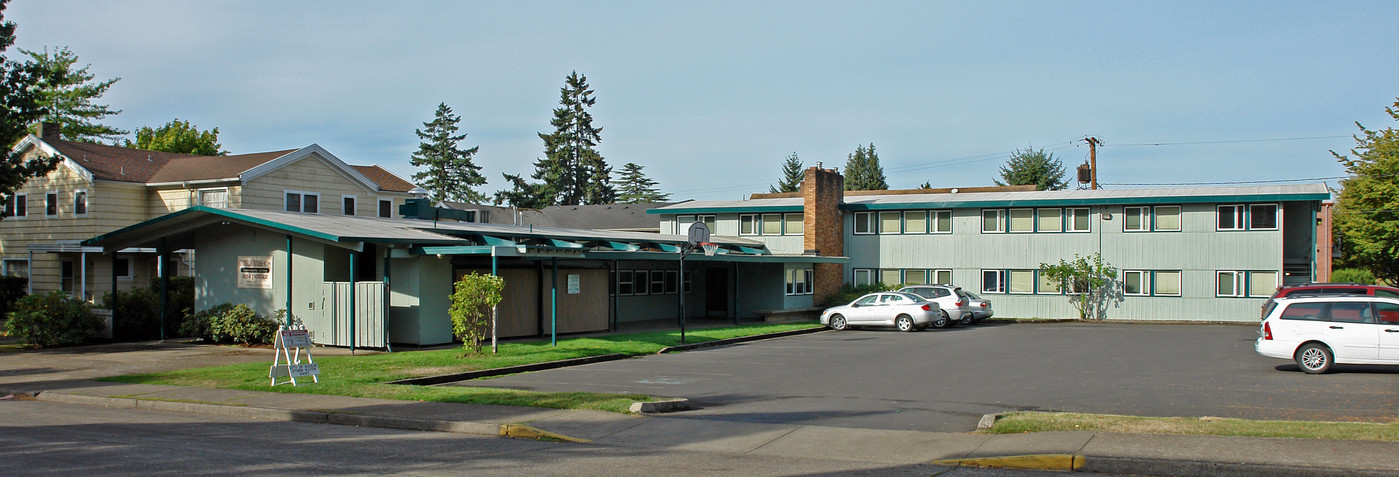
(669, 405)
(987, 421)
(485, 373)
(1030, 461)
(1150, 466)
(741, 339)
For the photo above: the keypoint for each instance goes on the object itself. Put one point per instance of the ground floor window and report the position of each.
(15, 267)
(799, 281)
(65, 276)
(652, 282)
(124, 270)
(863, 276)
(993, 281)
(1239, 283)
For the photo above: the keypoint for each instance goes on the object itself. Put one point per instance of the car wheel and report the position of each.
(904, 322)
(942, 321)
(837, 322)
(967, 319)
(1314, 358)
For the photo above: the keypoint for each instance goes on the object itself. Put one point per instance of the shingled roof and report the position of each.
(386, 180)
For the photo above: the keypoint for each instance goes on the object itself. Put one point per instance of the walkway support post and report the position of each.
(554, 305)
(353, 303)
(289, 260)
(164, 285)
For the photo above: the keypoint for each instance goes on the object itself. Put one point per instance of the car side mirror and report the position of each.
(854, 305)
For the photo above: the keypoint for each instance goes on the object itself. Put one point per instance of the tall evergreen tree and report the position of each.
(523, 194)
(67, 96)
(573, 169)
(19, 107)
(1033, 167)
(450, 174)
(862, 170)
(179, 137)
(792, 175)
(633, 187)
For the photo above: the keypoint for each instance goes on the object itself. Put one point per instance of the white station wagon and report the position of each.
(1319, 331)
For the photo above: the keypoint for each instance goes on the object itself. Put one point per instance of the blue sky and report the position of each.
(710, 97)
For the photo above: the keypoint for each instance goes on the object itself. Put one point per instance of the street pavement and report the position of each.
(65, 376)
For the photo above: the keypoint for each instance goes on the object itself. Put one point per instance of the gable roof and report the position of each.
(386, 180)
(631, 217)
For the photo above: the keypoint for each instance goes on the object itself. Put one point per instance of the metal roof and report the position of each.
(1176, 195)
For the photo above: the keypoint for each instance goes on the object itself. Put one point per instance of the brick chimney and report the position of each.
(49, 130)
(823, 231)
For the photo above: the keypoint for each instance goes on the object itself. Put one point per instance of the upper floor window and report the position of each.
(347, 204)
(1248, 217)
(17, 206)
(1263, 216)
(1231, 217)
(890, 222)
(386, 208)
(1135, 219)
(215, 198)
(757, 224)
(308, 202)
(748, 224)
(1049, 220)
(864, 223)
(51, 204)
(772, 224)
(1022, 220)
(1077, 219)
(80, 203)
(1161, 218)
(993, 220)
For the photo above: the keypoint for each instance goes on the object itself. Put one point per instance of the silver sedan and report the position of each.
(904, 311)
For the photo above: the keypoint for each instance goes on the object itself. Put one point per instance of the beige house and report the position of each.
(97, 189)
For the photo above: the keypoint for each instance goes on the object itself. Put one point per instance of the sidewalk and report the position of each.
(1083, 451)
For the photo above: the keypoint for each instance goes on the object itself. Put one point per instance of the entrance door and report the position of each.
(716, 292)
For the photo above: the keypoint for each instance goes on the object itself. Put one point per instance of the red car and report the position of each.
(1332, 289)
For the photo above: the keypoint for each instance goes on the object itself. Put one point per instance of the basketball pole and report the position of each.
(680, 290)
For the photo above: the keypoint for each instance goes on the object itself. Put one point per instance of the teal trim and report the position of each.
(991, 204)
(564, 243)
(618, 246)
(752, 251)
(699, 257)
(727, 210)
(665, 247)
(219, 212)
(453, 250)
(496, 241)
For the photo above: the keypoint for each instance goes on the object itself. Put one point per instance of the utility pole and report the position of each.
(1093, 160)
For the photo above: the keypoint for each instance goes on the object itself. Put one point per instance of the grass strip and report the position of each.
(1023, 422)
(366, 376)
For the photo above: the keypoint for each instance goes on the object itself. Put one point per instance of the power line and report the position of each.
(1306, 138)
(1310, 179)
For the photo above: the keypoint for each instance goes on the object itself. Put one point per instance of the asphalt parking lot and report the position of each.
(945, 380)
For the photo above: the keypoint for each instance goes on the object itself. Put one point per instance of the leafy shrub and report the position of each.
(52, 319)
(1352, 275)
(11, 290)
(848, 293)
(472, 301)
(135, 315)
(181, 301)
(229, 323)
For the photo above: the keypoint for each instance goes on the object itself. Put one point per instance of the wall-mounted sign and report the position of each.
(573, 285)
(255, 272)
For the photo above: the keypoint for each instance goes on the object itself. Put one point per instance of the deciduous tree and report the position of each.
(1033, 167)
(863, 172)
(474, 299)
(1367, 213)
(450, 174)
(792, 175)
(67, 96)
(19, 107)
(633, 187)
(179, 137)
(1089, 280)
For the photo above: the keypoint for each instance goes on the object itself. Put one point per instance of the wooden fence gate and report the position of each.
(366, 327)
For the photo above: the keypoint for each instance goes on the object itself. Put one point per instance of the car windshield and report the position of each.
(972, 296)
(913, 298)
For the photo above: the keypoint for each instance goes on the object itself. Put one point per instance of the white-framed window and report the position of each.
(15, 267)
(1020, 281)
(710, 221)
(1226, 283)
(799, 281)
(1263, 217)
(1136, 282)
(51, 204)
(993, 281)
(916, 277)
(891, 276)
(215, 198)
(17, 206)
(792, 224)
(658, 282)
(1049, 220)
(682, 224)
(864, 223)
(80, 203)
(1231, 217)
(386, 208)
(748, 224)
(306, 202)
(1022, 220)
(1135, 219)
(672, 281)
(941, 222)
(1045, 285)
(1165, 283)
(625, 285)
(124, 270)
(347, 204)
(772, 224)
(993, 221)
(1077, 219)
(941, 277)
(685, 287)
(1262, 283)
(642, 279)
(863, 276)
(916, 222)
(1166, 218)
(891, 222)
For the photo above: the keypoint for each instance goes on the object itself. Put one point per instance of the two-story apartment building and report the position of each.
(1197, 253)
(98, 188)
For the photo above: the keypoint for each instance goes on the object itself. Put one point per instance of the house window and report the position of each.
(307, 202)
(993, 281)
(1262, 284)
(1167, 218)
(708, 221)
(80, 203)
(1165, 283)
(1263, 217)
(688, 279)
(993, 221)
(17, 206)
(215, 198)
(916, 222)
(1077, 219)
(864, 223)
(347, 204)
(51, 204)
(15, 267)
(1022, 220)
(791, 224)
(1134, 282)
(748, 224)
(1022, 281)
(124, 270)
(890, 222)
(386, 208)
(863, 276)
(624, 283)
(682, 224)
(799, 281)
(672, 281)
(1047, 285)
(1226, 283)
(772, 224)
(657, 282)
(1231, 217)
(1134, 219)
(942, 221)
(1049, 220)
(891, 276)
(916, 277)
(642, 279)
(65, 276)
(942, 277)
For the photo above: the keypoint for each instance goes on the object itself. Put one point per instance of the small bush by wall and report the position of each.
(52, 319)
(229, 323)
(1352, 275)
(11, 290)
(138, 310)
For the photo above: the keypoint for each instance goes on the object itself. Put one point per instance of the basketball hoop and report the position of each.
(709, 248)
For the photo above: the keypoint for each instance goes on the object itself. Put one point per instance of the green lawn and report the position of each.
(364, 376)
(1021, 422)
